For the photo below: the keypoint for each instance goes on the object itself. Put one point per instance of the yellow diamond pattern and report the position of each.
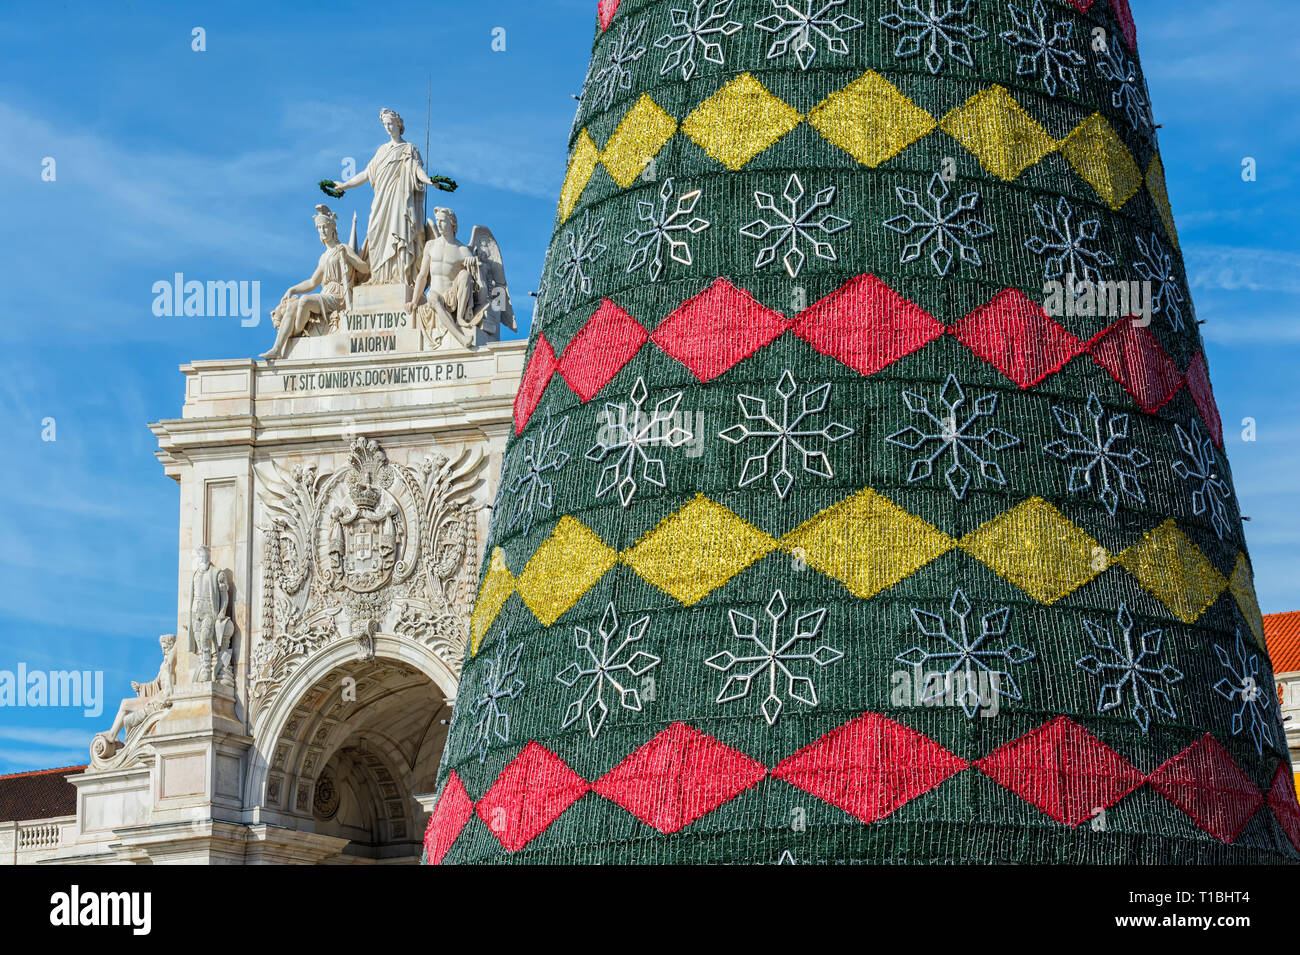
(581, 165)
(564, 568)
(697, 550)
(1160, 195)
(643, 132)
(1004, 138)
(1038, 549)
(1242, 585)
(870, 120)
(498, 585)
(1100, 157)
(867, 542)
(1168, 564)
(739, 121)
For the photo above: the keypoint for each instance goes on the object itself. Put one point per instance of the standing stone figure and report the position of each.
(337, 271)
(395, 233)
(210, 625)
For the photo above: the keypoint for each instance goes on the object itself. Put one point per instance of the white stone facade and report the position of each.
(346, 496)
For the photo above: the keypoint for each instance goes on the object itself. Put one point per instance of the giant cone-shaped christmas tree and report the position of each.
(854, 510)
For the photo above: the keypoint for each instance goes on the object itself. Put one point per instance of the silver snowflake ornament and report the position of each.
(1130, 93)
(628, 433)
(1101, 465)
(1156, 266)
(573, 272)
(606, 660)
(799, 30)
(785, 434)
(775, 657)
(664, 230)
(951, 432)
(936, 27)
(1044, 46)
(1206, 474)
(616, 74)
(697, 32)
(940, 225)
(1132, 668)
(539, 459)
(967, 659)
(1067, 248)
(1250, 691)
(499, 683)
(796, 223)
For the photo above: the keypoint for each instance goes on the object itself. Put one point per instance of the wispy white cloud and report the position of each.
(1231, 268)
(70, 738)
(25, 759)
(1235, 330)
(502, 152)
(1210, 43)
(149, 199)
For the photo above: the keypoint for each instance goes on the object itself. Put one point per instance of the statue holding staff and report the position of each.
(395, 232)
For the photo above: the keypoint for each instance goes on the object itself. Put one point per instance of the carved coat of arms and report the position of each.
(373, 547)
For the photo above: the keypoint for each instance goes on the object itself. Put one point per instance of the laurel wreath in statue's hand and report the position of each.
(445, 183)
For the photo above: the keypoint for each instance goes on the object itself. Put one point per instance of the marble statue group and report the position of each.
(447, 287)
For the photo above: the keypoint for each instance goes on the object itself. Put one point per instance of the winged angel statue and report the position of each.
(461, 288)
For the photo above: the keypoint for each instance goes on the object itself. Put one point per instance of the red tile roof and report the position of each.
(1282, 634)
(43, 794)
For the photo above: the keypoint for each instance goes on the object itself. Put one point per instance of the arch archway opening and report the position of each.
(355, 749)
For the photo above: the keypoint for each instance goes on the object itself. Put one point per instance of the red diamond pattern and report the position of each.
(677, 777)
(869, 767)
(866, 325)
(1282, 800)
(1204, 782)
(1135, 359)
(453, 810)
(541, 366)
(530, 794)
(1063, 770)
(1014, 335)
(718, 328)
(605, 11)
(597, 353)
(1198, 383)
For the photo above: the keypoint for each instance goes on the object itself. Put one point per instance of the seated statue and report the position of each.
(458, 285)
(149, 698)
(336, 273)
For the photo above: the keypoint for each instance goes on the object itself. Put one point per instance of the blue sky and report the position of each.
(170, 160)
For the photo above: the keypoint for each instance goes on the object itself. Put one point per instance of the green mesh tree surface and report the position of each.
(867, 499)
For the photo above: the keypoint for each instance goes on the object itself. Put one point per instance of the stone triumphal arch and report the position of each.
(334, 503)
